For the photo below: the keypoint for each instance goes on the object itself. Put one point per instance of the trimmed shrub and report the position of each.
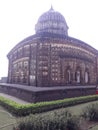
(51, 121)
(73, 123)
(91, 112)
(23, 110)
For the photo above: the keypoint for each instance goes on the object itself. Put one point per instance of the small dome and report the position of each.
(52, 22)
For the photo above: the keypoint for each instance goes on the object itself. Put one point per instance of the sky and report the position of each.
(18, 19)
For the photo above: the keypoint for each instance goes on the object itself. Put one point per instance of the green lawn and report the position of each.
(6, 119)
(94, 127)
(77, 109)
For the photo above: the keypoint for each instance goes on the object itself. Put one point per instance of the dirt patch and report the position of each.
(87, 125)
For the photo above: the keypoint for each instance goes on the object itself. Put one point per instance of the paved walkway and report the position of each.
(17, 100)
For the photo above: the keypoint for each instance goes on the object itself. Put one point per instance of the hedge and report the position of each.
(23, 110)
(63, 120)
(90, 112)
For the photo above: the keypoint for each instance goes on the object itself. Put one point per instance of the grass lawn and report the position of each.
(6, 119)
(94, 128)
(76, 110)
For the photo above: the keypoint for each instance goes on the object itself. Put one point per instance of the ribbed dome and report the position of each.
(52, 22)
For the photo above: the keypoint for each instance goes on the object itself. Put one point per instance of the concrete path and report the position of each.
(17, 100)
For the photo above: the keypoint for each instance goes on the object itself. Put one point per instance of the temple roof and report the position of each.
(52, 22)
(74, 41)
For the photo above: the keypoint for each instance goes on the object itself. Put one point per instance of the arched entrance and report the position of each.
(78, 75)
(68, 75)
(86, 76)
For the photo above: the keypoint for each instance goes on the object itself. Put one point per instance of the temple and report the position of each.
(52, 60)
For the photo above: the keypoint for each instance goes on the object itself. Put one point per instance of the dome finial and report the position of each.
(51, 9)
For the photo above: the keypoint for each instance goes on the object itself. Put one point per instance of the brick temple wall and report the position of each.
(52, 61)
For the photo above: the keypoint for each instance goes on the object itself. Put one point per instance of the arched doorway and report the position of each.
(86, 76)
(78, 75)
(68, 75)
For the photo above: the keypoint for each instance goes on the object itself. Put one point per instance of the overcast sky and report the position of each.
(18, 19)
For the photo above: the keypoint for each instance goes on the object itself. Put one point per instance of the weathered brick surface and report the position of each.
(33, 94)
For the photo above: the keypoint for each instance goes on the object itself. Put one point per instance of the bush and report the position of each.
(73, 123)
(51, 121)
(23, 110)
(91, 112)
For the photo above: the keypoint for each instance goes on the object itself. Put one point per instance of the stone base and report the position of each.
(39, 94)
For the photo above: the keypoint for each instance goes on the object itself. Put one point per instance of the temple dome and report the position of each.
(52, 22)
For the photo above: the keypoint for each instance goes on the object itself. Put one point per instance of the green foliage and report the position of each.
(91, 112)
(73, 123)
(52, 121)
(23, 110)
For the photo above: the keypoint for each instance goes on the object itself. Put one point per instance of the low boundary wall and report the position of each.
(38, 94)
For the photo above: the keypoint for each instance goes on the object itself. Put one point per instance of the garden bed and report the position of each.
(23, 110)
(75, 110)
